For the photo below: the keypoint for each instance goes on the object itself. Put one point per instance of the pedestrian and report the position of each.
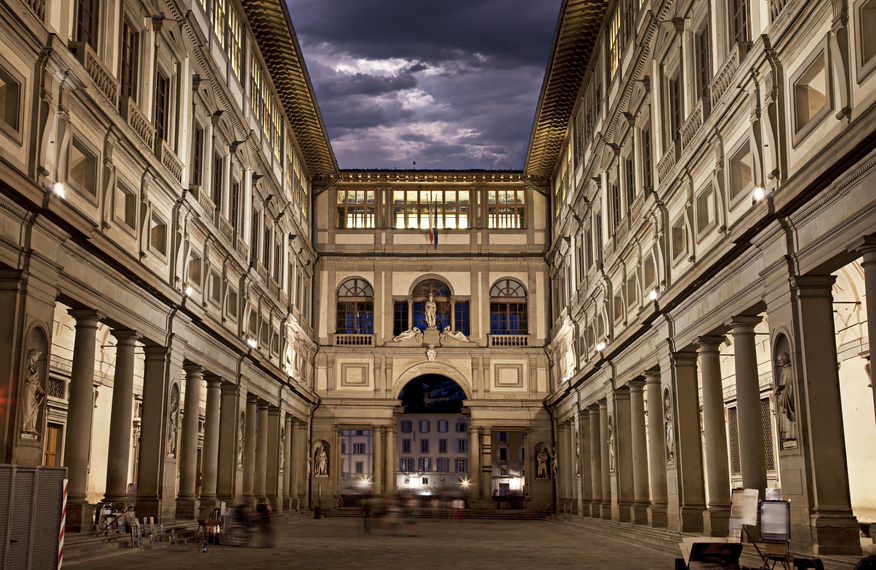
(263, 520)
(869, 561)
(366, 513)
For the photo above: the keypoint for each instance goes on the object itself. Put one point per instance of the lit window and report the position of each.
(355, 209)
(355, 307)
(508, 308)
(505, 209)
(443, 209)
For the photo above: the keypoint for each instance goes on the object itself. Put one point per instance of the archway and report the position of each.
(433, 441)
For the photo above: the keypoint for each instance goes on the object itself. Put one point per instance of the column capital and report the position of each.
(125, 336)
(603, 404)
(710, 343)
(622, 393)
(86, 318)
(213, 379)
(273, 410)
(229, 388)
(743, 324)
(193, 370)
(865, 246)
(680, 359)
(251, 399)
(652, 377)
(262, 405)
(584, 413)
(155, 352)
(813, 285)
(636, 386)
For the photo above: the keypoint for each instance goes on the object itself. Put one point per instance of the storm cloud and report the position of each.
(448, 84)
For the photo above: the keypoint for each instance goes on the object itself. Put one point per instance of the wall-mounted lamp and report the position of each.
(600, 347)
(252, 342)
(58, 189)
(189, 291)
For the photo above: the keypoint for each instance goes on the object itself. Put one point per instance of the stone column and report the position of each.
(272, 452)
(391, 464)
(751, 445)
(210, 452)
(120, 421)
(261, 453)
(656, 451)
(689, 455)
(562, 479)
(717, 518)
(249, 448)
(624, 463)
(474, 468)
(595, 462)
(584, 461)
(606, 473)
(638, 438)
(486, 464)
(229, 440)
(289, 479)
(186, 503)
(377, 460)
(834, 528)
(867, 248)
(79, 417)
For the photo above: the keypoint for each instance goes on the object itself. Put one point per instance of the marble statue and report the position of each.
(414, 333)
(431, 308)
(668, 427)
(542, 457)
(241, 439)
(611, 456)
(172, 419)
(457, 335)
(320, 460)
(554, 467)
(785, 400)
(34, 394)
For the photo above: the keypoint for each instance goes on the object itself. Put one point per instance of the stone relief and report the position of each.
(173, 421)
(786, 398)
(413, 334)
(320, 461)
(431, 353)
(34, 394)
(454, 338)
(669, 427)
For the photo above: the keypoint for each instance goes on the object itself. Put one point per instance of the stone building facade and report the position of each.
(712, 200)
(667, 303)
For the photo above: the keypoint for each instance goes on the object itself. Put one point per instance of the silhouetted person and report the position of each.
(263, 521)
(366, 513)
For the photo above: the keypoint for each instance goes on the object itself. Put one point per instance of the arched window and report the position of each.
(508, 308)
(355, 307)
(440, 294)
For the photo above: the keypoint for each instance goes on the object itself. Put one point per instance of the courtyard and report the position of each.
(340, 543)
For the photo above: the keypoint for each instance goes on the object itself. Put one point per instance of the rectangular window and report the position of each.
(158, 235)
(355, 209)
(254, 238)
(195, 265)
(86, 22)
(255, 88)
(613, 44)
(406, 426)
(462, 317)
(266, 244)
(442, 446)
(406, 446)
(231, 306)
(646, 157)
(215, 288)
(277, 254)
(400, 317)
(446, 209)
(616, 205)
(234, 205)
(810, 94)
(424, 426)
(218, 164)
(130, 60)
(10, 99)
(219, 9)
(126, 206)
(443, 464)
(705, 205)
(235, 44)
(443, 425)
(424, 446)
(406, 464)
(503, 454)
(461, 465)
(162, 86)
(505, 209)
(461, 445)
(360, 467)
(460, 427)
(425, 464)
(501, 436)
(679, 239)
(738, 21)
(675, 106)
(598, 231)
(82, 168)
(197, 155)
(630, 181)
(741, 168)
(359, 448)
(703, 62)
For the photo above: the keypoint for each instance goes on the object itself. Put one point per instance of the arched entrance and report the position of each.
(433, 440)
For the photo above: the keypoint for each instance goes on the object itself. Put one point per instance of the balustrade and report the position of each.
(102, 76)
(667, 161)
(508, 339)
(354, 340)
(138, 121)
(168, 159)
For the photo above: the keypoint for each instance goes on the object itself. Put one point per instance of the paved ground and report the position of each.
(339, 543)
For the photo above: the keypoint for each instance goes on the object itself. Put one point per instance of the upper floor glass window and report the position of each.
(130, 60)
(508, 308)
(446, 209)
(355, 307)
(86, 22)
(738, 11)
(505, 209)
(355, 209)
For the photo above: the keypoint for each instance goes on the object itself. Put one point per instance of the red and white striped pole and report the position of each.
(63, 524)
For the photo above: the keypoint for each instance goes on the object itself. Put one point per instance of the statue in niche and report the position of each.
(785, 396)
(34, 394)
(542, 457)
(611, 457)
(414, 333)
(669, 427)
(172, 421)
(431, 309)
(282, 449)
(241, 439)
(457, 335)
(320, 461)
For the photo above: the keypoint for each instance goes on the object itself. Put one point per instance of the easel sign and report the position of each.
(743, 509)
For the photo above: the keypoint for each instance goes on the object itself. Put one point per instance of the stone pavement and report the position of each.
(339, 543)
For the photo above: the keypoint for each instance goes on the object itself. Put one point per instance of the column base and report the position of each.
(596, 510)
(585, 508)
(275, 503)
(187, 509)
(657, 517)
(606, 511)
(207, 503)
(639, 513)
(691, 519)
(835, 534)
(80, 517)
(716, 521)
(623, 511)
(287, 504)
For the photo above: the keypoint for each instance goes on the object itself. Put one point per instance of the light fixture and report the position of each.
(600, 347)
(653, 295)
(758, 194)
(465, 482)
(189, 291)
(252, 342)
(58, 189)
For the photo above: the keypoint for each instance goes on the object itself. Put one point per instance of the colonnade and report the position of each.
(253, 449)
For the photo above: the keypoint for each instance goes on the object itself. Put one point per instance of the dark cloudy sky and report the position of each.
(447, 83)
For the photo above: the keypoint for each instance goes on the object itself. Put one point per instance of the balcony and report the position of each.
(667, 161)
(693, 124)
(725, 75)
(207, 204)
(168, 159)
(353, 340)
(138, 121)
(102, 76)
(38, 7)
(225, 229)
(501, 340)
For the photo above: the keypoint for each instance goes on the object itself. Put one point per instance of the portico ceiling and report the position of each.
(574, 40)
(278, 43)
